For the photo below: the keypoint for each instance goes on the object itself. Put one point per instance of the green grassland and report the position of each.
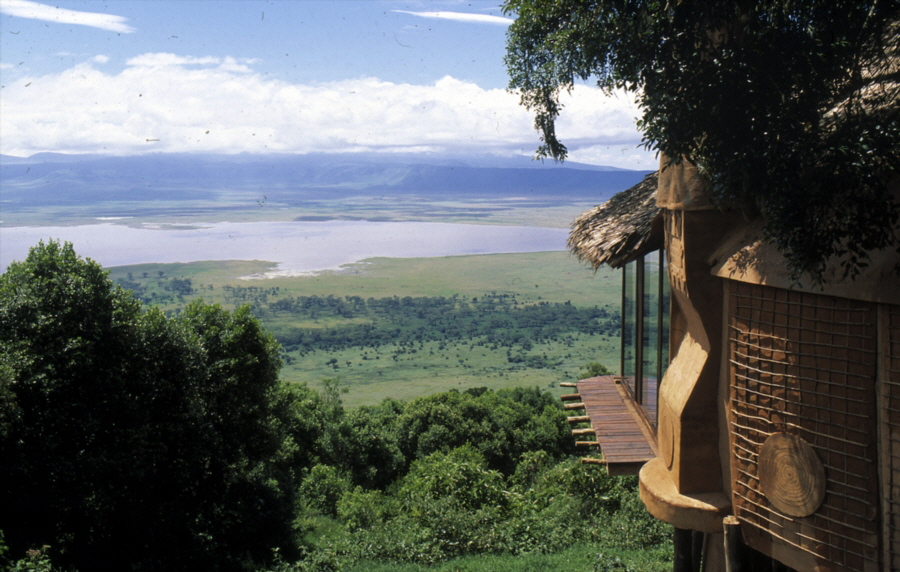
(551, 276)
(408, 359)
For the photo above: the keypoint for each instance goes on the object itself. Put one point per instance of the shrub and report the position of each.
(359, 508)
(321, 489)
(460, 476)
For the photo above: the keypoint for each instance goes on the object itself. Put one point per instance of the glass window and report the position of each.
(645, 328)
(629, 326)
(650, 333)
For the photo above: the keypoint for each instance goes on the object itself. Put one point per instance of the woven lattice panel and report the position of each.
(805, 364)
(890, 416)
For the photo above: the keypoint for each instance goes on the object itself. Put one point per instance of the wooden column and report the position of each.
(682, 539)
(732, 530)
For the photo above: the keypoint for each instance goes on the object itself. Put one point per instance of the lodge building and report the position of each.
(762, 414)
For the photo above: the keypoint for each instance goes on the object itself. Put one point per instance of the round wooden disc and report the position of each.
(791, 475)
(666, 439)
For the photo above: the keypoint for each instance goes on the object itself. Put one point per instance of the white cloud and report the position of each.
(461, 17)
(220, 105)
(159, 59)
(625, 155)
(38, 11)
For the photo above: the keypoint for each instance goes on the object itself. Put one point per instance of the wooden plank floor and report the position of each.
(618, 432)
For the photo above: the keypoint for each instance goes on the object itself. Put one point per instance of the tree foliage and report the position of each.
(501, 425)
(782, 105)
(131, 440)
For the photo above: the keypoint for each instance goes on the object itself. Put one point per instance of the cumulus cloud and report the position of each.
(38, 11)
(173, 103)
(461, 17)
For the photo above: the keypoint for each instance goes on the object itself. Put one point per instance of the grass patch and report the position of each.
(456, 366)
(550, 276)
(404, 370)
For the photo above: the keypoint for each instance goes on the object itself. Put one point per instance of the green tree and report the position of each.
(594, 369)
(788, 106)
(501, 425)
(131, 440)
(461, 477)
(322, 488)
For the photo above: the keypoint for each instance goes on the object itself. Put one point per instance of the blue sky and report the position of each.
(288, 76)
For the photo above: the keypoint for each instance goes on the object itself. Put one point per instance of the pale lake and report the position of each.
(297, 247)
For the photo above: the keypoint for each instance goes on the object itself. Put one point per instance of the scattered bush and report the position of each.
(321, 489)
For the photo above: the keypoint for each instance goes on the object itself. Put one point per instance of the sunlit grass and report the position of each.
(548, 276)
(457, 366)
(554, 277)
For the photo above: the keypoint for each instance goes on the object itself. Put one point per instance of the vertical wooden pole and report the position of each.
(732, 531)
(696, 550)
(683, 544)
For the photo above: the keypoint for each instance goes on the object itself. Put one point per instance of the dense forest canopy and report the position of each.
(786, 106)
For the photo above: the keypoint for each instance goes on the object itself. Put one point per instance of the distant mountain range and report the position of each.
(56, 179)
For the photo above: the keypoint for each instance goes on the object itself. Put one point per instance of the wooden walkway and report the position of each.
(623, 432)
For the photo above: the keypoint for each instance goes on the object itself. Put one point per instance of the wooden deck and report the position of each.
(623, 431)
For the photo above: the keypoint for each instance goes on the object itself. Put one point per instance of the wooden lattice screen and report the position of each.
(805, 365)
(890, 434)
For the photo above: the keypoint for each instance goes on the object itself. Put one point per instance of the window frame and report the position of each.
(634, 297)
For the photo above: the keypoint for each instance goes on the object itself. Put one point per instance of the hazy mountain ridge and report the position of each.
(48, 178)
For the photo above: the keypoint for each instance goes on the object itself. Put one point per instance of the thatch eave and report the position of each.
(620, 230)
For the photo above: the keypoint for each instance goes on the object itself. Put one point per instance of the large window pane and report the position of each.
(650, 333)
(629, 326)
(645, 328)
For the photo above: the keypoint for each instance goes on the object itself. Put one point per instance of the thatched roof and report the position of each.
(621, 229)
